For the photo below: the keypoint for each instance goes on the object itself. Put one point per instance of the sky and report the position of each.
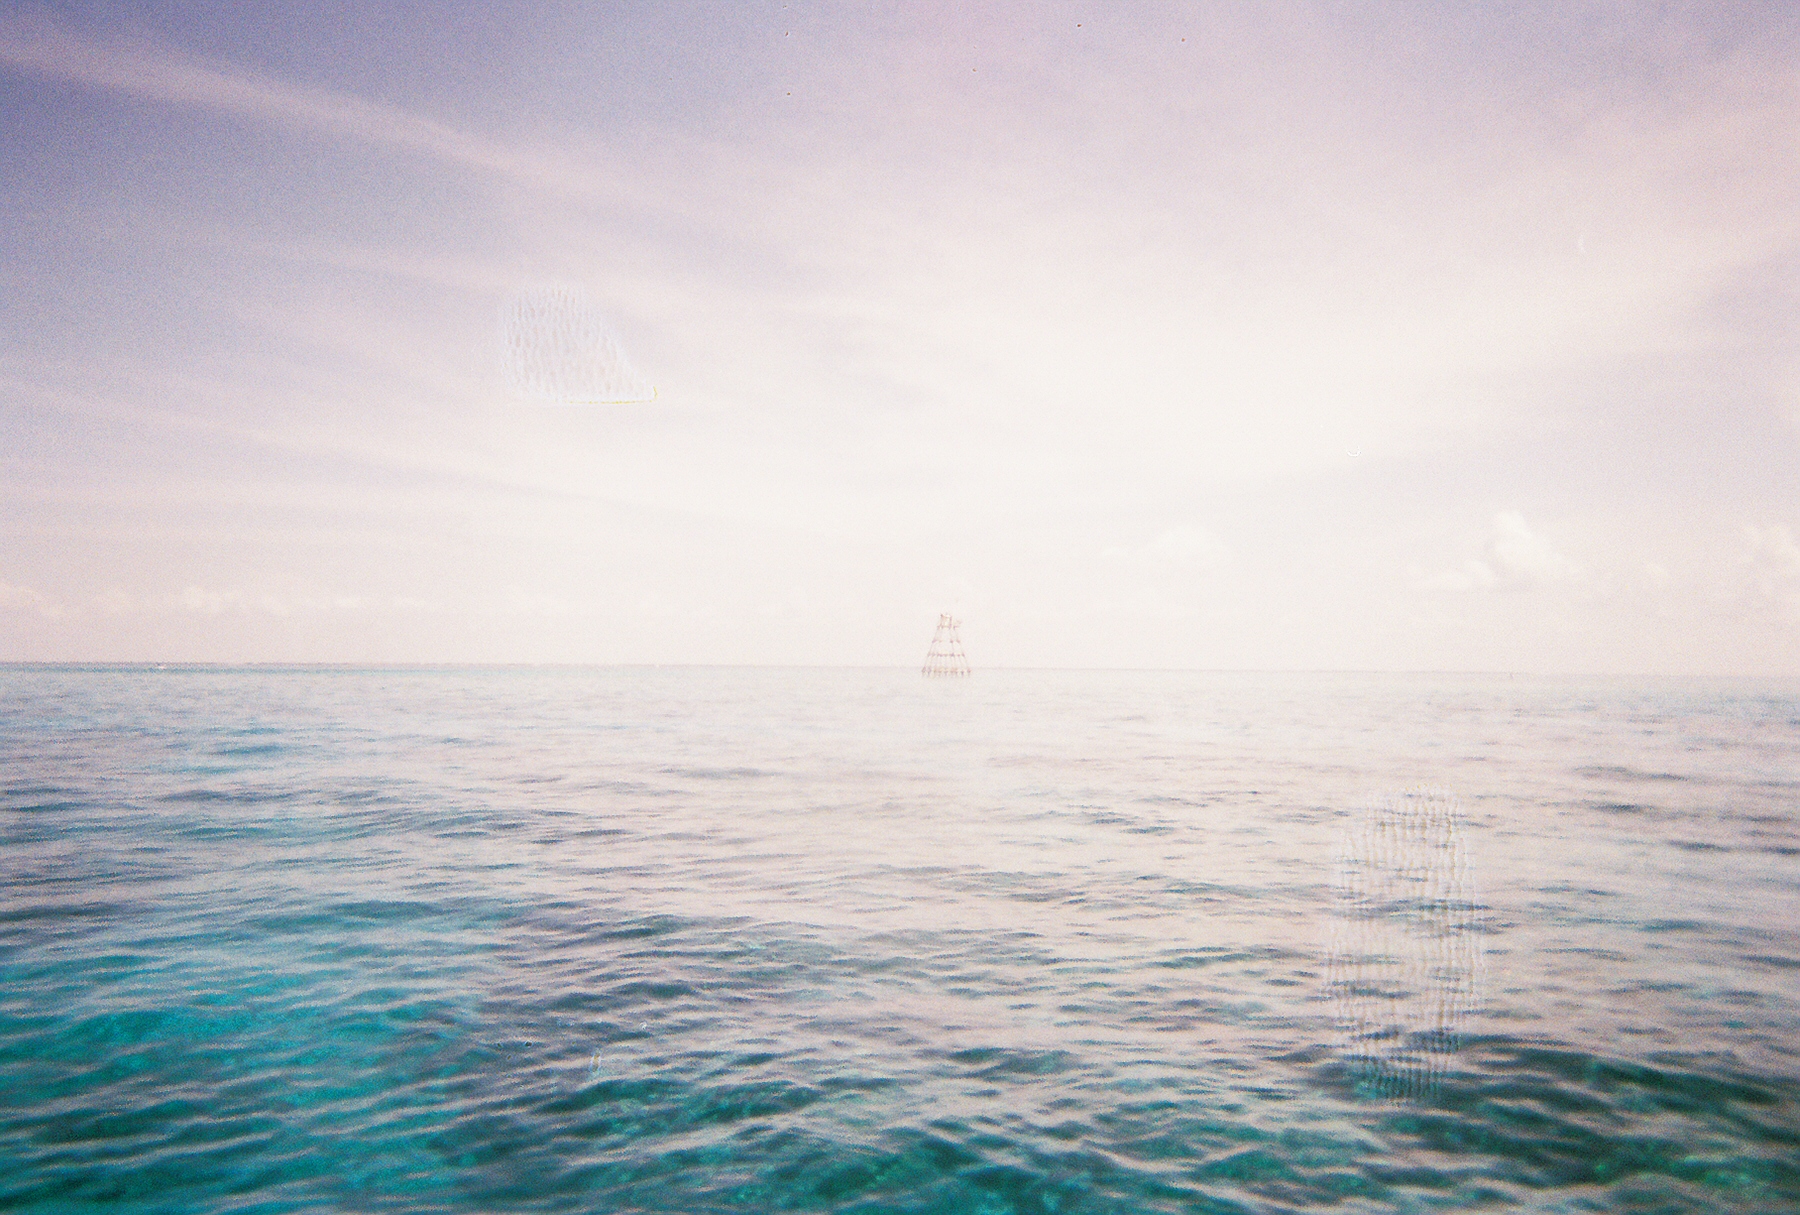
(1266, 336)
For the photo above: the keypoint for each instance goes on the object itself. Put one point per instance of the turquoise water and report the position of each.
(769, 940)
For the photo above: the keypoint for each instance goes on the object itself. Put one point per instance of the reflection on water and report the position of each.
(708, 940)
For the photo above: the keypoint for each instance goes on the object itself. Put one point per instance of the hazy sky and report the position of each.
(1316, 335)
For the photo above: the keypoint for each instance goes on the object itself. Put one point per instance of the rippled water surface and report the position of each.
(759, 940)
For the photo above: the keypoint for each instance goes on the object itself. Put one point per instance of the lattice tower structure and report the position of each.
(946, 657)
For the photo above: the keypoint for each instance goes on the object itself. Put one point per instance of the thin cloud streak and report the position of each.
(164, 76)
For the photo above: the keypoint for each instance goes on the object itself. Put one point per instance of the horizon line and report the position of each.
(301, 665)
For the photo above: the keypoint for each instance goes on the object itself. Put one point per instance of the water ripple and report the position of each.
(761, 940)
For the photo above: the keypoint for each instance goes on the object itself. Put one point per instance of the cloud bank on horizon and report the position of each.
(1226, 336)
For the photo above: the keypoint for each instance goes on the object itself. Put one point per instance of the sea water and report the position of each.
(594, 939)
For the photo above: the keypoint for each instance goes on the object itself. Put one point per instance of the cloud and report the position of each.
(1513, 558)
(25, 599)
(1773, 549)
(209, 602)
(1471, 575)
(1771, 569)
(520, 602)
(1523, 557)
(1178, 548)
(42, 48)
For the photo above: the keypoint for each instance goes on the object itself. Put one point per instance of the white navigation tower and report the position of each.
(946, 657)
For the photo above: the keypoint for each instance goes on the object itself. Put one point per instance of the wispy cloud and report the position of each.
(26, 599)
(1178, 548)
(158, 74)
(220, 601)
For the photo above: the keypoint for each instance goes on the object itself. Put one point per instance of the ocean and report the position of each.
(756, 939)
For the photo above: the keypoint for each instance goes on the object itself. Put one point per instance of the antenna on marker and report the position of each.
(946, 657)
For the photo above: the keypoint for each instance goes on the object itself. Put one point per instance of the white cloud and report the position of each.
(1178, 548)
(206, 601)
(1523, 557)
(1771, 568)
(25, 599)
(1471, 575)
(520, 602)
(1513, 558)
(1773, 548)
(209, 602)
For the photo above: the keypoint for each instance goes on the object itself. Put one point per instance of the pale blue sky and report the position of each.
(1223, 336)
